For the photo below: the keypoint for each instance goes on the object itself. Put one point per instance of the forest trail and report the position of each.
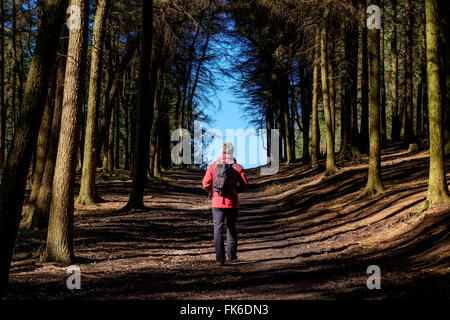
(301, 236)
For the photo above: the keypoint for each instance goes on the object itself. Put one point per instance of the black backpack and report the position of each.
(222, 178)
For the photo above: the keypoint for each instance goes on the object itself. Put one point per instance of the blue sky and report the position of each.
(227, 112)
(231, 116)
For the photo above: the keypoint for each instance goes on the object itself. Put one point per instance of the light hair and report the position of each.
(228, 148)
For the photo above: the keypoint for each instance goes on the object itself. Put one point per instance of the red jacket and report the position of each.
(239, 183)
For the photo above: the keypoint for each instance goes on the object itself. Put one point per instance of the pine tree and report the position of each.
(437, 185)
(60, 227)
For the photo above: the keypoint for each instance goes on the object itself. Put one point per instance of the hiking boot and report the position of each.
(220, 263)
(232, 260)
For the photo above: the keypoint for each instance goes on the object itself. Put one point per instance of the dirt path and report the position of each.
(302, 236)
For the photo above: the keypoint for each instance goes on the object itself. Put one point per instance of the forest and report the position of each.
(92, 92)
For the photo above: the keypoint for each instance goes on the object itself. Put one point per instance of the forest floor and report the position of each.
(301, 236)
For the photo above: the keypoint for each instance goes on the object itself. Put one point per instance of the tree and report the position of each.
(395, 124)
(41, 208)
(144, 113)
(2, 85)
(374, 183)
(437, 185)
(305, 85)
(88, 192)
(41, 149)
(349, 85)
(112, 88)
(315, 146)
(382, 76)
(409, 122)
(364, 127)
(15, 170)
(60, 227)
(330, 163)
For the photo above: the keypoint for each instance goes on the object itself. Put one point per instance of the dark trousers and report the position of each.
(219, 216)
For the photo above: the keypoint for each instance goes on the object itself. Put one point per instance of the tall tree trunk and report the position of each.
(315, 146)
(437, 184)
(2, 85)
(364, 129)
(15, 170)
(331, 84)
(126, 111)
(110, 146)
(113, 89)
(374, 184)
(279, 126)
(88, 191)
(41, 209)
(42, 149)
(144, 114)
(156, 119)
(395, 124)
(110, 101)
(287, 125)
(420, 88)
(382, 76)
(330, 163)
(60, 227)
(117, 135)
(350, 93)
(269, 127)
(156, 158)
(444, 12)
(409, 121)
(305, 104)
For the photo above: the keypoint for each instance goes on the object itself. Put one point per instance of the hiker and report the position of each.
(224, 179)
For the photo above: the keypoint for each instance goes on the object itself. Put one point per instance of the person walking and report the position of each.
(225, 179)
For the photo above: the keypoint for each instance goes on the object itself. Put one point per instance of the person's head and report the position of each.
(228, 148)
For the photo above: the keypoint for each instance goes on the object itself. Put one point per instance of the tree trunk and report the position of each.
(382, 77)
(110, 145)
(364, 129)
(269, 127)
(88, 191)
(156, 119)
(409, 121)
(15, 170)
(374, 184)
(156, 158)
(41, 149)
(437, 185)
(113, 89)
(332, 85)
(330, 163)
(117, 135)
(350, 93)
(444, 12)
(420, 90)
(126, 111)
(395, 125)
(144, 114)
(287, 125)
(315, 147)
(2, 85)
(305, 104)
(279, 126)
(60, 227)
(41, 208)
